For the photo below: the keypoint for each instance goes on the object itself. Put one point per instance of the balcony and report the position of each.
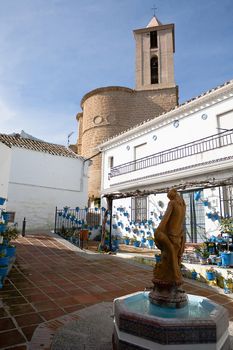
(196, 152)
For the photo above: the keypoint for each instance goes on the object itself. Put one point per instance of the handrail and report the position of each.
(195, 147)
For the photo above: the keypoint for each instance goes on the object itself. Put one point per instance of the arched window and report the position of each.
(154, 70)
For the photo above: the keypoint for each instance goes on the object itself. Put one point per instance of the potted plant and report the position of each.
(126, 240)
(2, 226)
(202, 253)
(194, 274)
(210, 274)
(134, 241)
(150, 240)
(10, 234)
(228, 285)
(115, 241)
(226, 227)
(3, 259)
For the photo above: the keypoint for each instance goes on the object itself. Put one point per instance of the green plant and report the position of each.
(11, 233)
(211, 269)
(150, 238)
(115, 238)
(133, 239)
(226, 225)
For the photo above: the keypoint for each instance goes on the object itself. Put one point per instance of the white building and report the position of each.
(190, 148)
(37, 176)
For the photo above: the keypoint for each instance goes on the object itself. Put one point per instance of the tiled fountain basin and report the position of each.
(138, 324)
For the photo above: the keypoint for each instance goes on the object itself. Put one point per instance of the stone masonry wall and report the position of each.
(112, 110)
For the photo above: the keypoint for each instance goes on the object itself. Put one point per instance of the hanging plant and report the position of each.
(77, 209)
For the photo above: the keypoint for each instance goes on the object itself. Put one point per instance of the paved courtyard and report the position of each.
(51, 280)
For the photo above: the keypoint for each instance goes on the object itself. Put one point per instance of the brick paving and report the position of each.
(50, 280)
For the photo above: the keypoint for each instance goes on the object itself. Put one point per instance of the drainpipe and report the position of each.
(83, 167)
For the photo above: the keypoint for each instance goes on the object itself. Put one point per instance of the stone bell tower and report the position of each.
(154, 56)
(110, 110)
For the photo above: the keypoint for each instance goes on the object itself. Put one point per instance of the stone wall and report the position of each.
(112, 110)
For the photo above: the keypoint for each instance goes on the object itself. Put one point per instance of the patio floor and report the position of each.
(51, 279)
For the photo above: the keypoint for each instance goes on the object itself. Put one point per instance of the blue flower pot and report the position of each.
(194, 275)
(210, 276)
(4, 261)
(6, 216)
(10, 251)
(157, 258)
(127, 241)
(136, 244)
(151, 243)
(3, 271)
(226, 259)
(2, 228)
(116, 243)
(2, 201)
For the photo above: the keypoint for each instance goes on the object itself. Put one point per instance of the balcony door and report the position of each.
(139, 152)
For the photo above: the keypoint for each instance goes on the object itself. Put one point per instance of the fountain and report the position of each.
(166, 317)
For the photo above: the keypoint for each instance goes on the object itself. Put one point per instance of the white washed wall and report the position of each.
(39, 182)
(5, 161)
(191, 127)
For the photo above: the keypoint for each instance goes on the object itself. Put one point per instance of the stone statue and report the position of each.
(169, 238)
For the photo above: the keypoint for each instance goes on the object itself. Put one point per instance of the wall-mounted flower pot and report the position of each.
(194, 275)
(6, 216)
(127, 241)
(210, 276)
(157, 258)
(2, 200)
(136, 244)
(151, 243)
(116, 243)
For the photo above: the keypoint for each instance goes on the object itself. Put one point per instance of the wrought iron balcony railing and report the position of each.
(199, 146)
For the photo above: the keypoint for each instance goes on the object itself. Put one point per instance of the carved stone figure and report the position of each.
(169, 238)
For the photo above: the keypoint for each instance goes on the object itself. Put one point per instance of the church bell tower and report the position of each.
(155, 48)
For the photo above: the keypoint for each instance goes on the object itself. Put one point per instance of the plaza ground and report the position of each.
(53, 280)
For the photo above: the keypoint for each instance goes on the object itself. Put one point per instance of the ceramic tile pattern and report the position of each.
(49, 281)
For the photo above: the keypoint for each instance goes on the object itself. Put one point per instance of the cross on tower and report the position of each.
(154, 8)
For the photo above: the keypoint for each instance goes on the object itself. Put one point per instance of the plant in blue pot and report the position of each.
(134, 241)
(210, 274)
(4, 259)
(116, 241)
(126, 240)
(150, 240)
(194, 274)
(9, 235)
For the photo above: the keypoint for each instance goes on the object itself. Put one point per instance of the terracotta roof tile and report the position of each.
(39, 146)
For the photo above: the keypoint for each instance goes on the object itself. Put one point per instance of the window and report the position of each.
(153, 40)
(195, 218)
(226, 200)
(139, 208)
(154, 69)
(110, 162)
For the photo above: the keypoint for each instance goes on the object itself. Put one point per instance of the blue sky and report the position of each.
(52, 52)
